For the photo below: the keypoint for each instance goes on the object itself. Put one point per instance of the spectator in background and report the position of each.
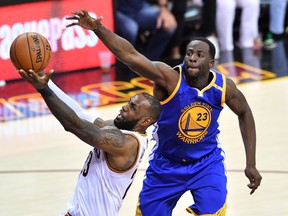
(207, 25)
(178, 9)
(225, 15)
(277, 12)
(136, 16)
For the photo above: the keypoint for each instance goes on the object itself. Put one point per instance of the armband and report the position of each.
(45, 92)
(97, 29)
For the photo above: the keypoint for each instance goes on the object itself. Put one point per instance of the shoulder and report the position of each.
(102, 123)
(134, 135)
(233, 94)
(231, 86)
(169, 79)
(230, 89)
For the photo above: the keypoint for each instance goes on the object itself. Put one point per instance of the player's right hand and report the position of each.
(38, 81)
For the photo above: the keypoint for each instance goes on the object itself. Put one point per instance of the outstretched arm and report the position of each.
(82, 113)
(70, 102)
(236, 101)
(109, 139)
(158, 72)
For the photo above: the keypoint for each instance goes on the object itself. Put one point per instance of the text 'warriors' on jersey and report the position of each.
(188, 126)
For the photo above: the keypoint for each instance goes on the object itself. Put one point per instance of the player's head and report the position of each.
(141, 111)
(212, 49)
(199, 57)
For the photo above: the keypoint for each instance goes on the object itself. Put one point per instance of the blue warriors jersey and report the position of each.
(187, 129)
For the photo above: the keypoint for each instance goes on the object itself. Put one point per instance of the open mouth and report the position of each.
(120, 115)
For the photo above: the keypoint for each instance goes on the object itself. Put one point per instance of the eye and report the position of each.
(200, 55)
(189, 53)
(132, 106)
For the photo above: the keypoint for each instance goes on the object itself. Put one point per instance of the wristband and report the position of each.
(45, 92)
(97, 29)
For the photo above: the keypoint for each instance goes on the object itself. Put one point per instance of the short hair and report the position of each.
(155, 106)
(212, 49)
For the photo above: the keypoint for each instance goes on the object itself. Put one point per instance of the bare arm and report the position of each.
(236, 101)
(159, 72)
(109, 139)
(71, 103)
(103, 123)
(82, 113)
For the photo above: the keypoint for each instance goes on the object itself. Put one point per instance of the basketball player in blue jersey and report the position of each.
(188, 154)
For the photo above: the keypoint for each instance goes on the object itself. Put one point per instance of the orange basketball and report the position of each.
(30, 50)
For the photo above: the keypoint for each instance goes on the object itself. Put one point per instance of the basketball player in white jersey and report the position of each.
(119, 145)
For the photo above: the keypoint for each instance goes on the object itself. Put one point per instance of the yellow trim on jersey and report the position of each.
(200, 92)
(176, 88)
(224, 90)
(212, 83)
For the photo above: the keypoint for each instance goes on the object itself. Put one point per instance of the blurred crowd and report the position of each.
(159, 28)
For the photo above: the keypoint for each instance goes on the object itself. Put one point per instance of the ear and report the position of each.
(211, 63)
(146, 121)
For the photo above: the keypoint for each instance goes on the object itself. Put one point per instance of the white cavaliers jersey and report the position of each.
(100, 189)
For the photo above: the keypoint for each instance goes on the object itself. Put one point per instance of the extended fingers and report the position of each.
(85, 12)
(77, 17)
(22, 73)
(77, 13)
(73, 18)
(71, 24)
(26, 75)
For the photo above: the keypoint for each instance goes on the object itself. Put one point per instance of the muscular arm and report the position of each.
(71, 103)
(127, 54)
(236, 101)
(102, 123)
(159, 72)
(82, 113)
(109, 139)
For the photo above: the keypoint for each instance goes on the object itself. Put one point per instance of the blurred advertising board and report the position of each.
(72, 48)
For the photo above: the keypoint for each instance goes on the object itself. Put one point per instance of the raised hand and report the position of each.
(84, 20)
(37, 80)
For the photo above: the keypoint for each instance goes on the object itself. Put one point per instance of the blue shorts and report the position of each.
(166, 181)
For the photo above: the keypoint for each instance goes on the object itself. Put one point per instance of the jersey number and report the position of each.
(201, 116)
(85, 168)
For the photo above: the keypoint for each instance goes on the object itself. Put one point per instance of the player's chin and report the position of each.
(117, 122)
(193, 72)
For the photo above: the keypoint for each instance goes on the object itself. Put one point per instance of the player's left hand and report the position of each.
(254, 177)
(39, 81)
(84, 20)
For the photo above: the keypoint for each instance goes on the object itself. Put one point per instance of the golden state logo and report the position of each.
(194, 122)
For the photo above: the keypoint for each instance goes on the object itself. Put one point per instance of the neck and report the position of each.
(200, 83)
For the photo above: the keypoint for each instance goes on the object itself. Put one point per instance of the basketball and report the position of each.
(30, 50)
